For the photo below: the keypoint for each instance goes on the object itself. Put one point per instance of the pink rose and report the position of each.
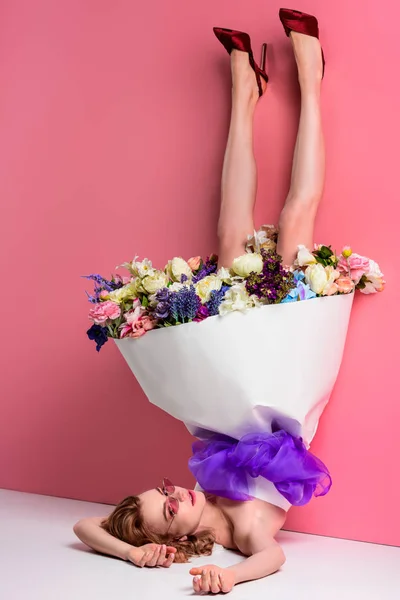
(345, 284)
(103, 311)
(194, 262)
(355, 266)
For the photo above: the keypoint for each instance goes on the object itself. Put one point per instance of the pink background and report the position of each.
(114, 118)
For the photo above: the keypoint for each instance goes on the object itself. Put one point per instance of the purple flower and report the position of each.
(101, 284)
(98, 334)
(184, 304)
(274, 283)
(210, 266)
(215, 300)
(202, 313)
(162, 308)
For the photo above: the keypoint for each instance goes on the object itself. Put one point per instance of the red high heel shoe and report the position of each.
(237, 40)
(294, 20)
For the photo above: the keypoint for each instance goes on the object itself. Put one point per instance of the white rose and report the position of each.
(247, 263)
(205, 286)
(127, 292)
(236, 298)
(375, 282)
(152, 283)
(305, 257)
(178, 267)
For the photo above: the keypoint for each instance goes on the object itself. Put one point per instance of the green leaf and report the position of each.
(145, 301)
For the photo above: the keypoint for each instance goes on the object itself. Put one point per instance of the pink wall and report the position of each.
(113, 118)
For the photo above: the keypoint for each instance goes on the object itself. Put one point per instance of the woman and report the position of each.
(171, 523)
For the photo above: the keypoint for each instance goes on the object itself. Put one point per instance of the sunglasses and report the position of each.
(168, 489)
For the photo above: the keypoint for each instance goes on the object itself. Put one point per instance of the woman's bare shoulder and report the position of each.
(246, 515)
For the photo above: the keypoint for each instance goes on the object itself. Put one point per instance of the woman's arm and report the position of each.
(151, 555)
(266, 557)
(261, 563)
(90, 533)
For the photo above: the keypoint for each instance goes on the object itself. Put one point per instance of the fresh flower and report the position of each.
(246, 264)
(152, 283)
(345, 285)
(131, 317)
(227, 277)
(103, 312)
(373, 280)
(207, 285)
(355, 266)
(304, 257)
(273, 284)
(216, 298)
(137, 326)
(99, 335)
(177, 267)
(322, 279)
(129, 306)
(302, 291)
(265, 238)
(347, 252)
(236, 298)
(207, 268)
(139, 269)
(194, 263)
(184, 304)
(127, 292)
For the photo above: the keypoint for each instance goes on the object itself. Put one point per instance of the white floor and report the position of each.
(40, 559)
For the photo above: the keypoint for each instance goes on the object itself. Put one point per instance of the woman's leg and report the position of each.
(296, 224)
(239, 175)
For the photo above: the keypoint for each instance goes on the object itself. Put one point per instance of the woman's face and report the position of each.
(158, 511)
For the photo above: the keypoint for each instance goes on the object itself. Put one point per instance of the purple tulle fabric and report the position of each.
(222, 466)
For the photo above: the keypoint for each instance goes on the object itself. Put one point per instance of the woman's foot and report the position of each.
(307, 51)
(244, 80)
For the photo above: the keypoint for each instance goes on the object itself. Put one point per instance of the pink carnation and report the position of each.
(355, 266)
(103, 311)
(145, 323)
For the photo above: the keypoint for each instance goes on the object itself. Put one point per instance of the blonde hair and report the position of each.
(127, 524)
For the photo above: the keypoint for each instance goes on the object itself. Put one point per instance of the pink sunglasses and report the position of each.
(168, 489)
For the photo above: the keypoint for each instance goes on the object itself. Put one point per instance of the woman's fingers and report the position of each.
(214, 582)
(143, 560)
(196, 584)
(170, 559)
(205, 581)
(162, 555)
(153, 559)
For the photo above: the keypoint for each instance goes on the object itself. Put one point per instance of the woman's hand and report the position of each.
(212, 579)
(152, 555)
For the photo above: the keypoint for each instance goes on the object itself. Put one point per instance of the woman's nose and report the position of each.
(181, 496)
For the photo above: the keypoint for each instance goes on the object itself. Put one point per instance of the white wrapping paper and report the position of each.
(238, 373)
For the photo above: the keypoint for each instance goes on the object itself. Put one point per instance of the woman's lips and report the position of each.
(192, 497)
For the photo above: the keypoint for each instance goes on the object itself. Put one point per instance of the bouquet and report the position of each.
(194, 290)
